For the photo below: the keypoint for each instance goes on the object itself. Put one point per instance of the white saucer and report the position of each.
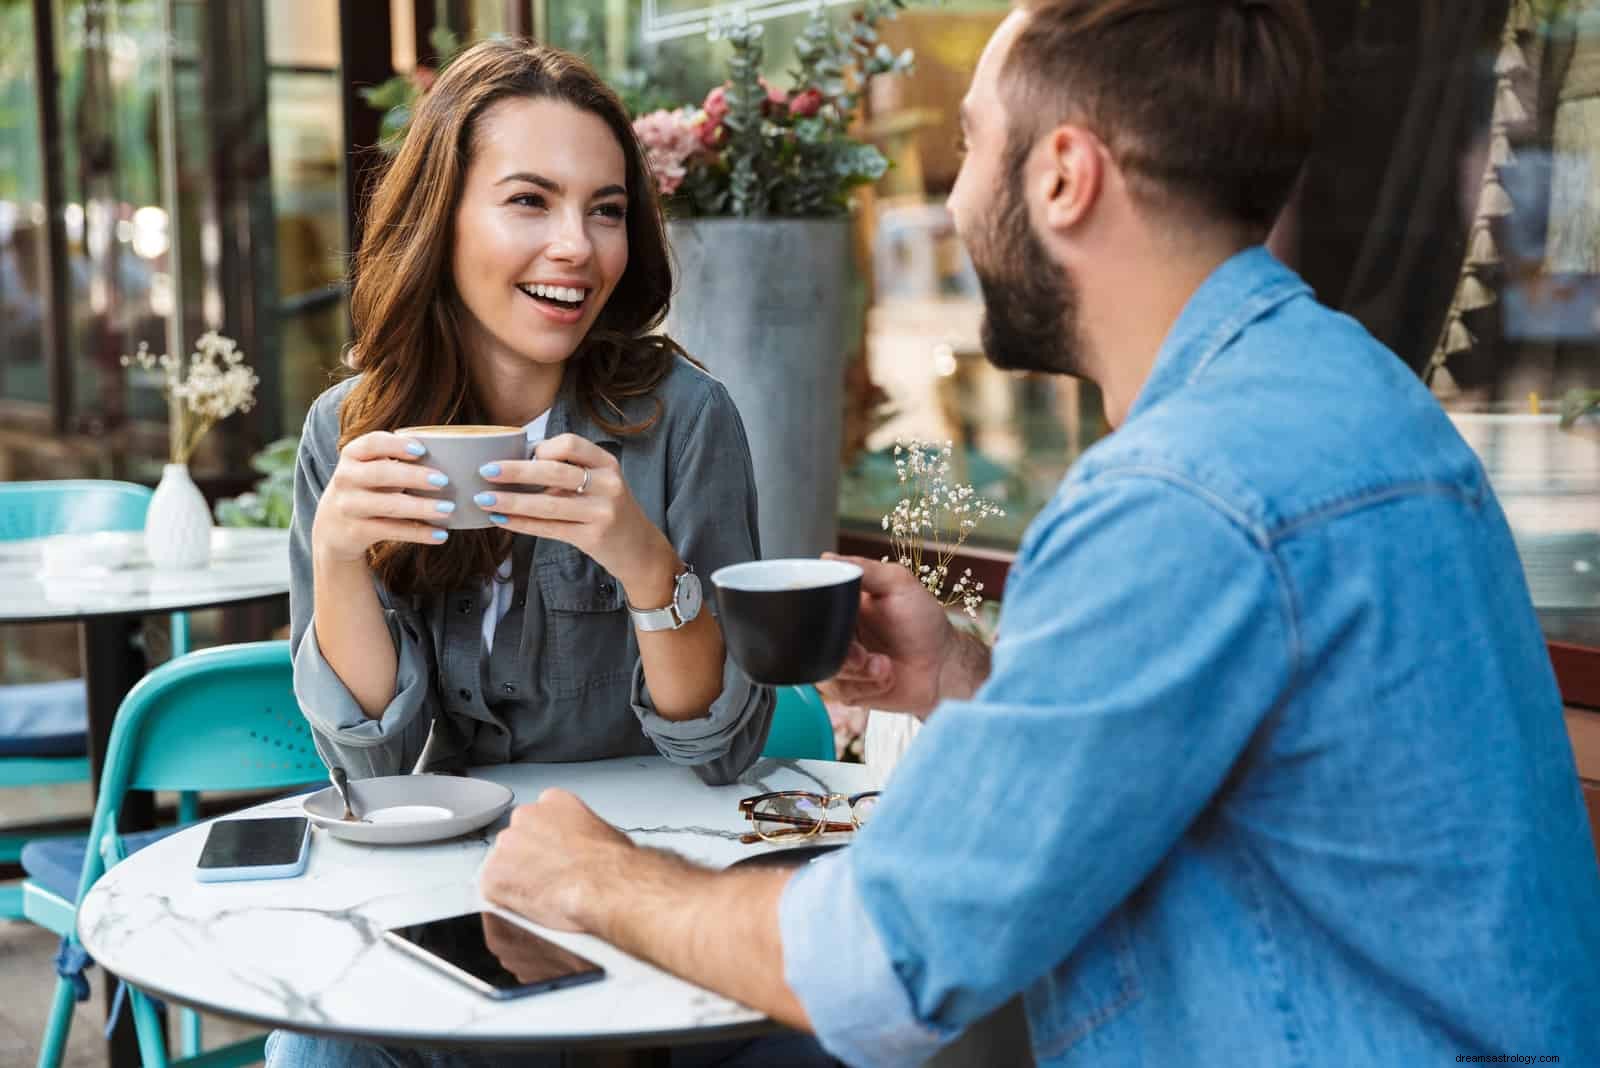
(401, 809)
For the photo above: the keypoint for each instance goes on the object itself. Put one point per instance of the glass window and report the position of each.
(24, 289)
(305, 126)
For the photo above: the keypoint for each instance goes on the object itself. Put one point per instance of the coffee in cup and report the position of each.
(459, 450)
(788, 622)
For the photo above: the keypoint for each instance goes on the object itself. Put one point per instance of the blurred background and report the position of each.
(1453, 206)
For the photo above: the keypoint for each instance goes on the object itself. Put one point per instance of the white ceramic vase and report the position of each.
(177, 527)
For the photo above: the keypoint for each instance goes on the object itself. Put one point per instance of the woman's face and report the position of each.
(541, 234)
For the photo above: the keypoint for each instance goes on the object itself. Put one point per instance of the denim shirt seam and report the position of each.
(1229, 328)
(683, 440)
(1356, 502)
(1260, 536)
(1272, 962)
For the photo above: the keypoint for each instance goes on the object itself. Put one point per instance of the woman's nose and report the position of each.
(571, 242)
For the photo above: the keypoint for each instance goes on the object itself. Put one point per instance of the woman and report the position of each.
(513, 267)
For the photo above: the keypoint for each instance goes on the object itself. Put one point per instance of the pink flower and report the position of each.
(671, 141)
(716, 105)
(806, 104)
(423, 78)
(777, 100)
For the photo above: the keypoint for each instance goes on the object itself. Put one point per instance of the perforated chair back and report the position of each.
(70, 506)
(801, 729)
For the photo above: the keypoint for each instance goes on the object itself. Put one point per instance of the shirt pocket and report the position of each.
(1084, 992)
(587, 624)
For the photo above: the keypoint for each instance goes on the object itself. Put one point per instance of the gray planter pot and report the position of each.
(764, 305)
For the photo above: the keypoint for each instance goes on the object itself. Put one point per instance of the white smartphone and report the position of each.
(497, 958)
(275, 847)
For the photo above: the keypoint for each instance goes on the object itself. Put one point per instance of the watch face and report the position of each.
(688, 596)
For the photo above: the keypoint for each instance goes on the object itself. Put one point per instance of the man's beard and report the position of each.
(1030, 320)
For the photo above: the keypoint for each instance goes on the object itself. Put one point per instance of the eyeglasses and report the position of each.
(790, 814)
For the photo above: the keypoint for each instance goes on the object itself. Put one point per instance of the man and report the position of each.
(1268, 765)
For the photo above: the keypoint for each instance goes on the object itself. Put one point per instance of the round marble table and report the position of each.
(307, 953)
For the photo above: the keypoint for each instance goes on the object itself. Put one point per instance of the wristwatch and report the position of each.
(685, 606)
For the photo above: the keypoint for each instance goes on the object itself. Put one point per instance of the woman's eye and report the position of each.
(527, 200)
(612, 211)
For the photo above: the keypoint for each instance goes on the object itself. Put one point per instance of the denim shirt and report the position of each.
(563, 680)
(1271, 766)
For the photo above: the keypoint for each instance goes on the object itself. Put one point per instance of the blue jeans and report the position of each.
(786, 1049)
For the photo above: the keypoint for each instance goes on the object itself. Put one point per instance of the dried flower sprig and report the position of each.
(939, 514)
(216, 384)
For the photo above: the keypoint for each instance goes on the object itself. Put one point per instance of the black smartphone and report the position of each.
(494, 956)
(272, 848)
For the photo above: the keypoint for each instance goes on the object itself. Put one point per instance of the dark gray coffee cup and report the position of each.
(788, 622)
(459, 451)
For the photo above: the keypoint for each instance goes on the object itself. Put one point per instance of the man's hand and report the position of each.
(543, 864)
(906, 655)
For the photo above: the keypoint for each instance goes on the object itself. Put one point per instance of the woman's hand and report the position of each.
(586, 504)
(365, 500)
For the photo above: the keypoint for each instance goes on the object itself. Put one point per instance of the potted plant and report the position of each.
(213, 384)
(757, 182)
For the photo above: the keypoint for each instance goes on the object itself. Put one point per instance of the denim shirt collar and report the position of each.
(1244, 288)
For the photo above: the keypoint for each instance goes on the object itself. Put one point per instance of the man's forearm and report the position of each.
(716, 929)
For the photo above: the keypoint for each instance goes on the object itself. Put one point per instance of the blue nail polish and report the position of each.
(446, 506)
(416, 448)
(440, 535)
(496, 517)
(489, 470)
(437, 479)
(485, 499)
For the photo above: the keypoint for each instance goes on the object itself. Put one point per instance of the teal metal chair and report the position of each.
(42, 725)
(801, 729)
(220, 719)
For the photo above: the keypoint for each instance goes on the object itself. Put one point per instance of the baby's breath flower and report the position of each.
(216, 384)
(935, 511)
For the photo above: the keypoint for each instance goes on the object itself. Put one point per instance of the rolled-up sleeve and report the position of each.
(344, 734)
(711, 521)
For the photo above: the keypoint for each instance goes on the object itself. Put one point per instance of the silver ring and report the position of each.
(584, 484)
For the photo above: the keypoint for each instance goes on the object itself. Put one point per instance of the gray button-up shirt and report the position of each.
(564, 680)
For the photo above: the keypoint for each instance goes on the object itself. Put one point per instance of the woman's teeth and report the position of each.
(568, 296)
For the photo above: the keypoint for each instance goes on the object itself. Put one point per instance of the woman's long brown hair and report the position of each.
(407, 315)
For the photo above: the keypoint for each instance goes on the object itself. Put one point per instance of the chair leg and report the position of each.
(57, 1026)
(152, 1040)
(189, 1029)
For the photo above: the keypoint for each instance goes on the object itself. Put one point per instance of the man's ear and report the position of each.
(1073, 169)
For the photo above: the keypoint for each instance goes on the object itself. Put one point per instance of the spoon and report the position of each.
(341, 783)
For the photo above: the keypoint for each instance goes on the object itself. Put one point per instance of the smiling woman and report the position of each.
(513, 274)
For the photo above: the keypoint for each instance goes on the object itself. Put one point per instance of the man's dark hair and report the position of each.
(1209, 105)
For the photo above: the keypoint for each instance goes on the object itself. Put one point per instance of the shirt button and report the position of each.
(466, 695)
(465, 607)
(605, 589)
(519, 602)
(510, 688)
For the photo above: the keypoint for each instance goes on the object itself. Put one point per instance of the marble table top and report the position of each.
(116, 578)
(307, 953)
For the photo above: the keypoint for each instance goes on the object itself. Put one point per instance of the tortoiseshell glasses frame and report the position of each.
(793, 825)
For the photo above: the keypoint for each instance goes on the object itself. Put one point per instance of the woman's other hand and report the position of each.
(366, 500)
(587, 504)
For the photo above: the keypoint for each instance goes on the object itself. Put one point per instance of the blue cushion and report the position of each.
(56, 864)
(43, 719)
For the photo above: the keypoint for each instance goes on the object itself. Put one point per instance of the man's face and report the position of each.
(1030, 301)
